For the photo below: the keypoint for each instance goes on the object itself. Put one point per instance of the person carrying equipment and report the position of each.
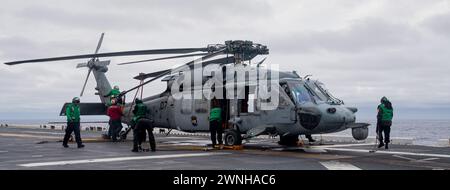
(115, 113)
(215, 127)
(140, 125)
(384, 122)
(73, 123)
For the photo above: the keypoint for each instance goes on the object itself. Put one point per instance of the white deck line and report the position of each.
(335, 165)
(390, 152)
(117, 159)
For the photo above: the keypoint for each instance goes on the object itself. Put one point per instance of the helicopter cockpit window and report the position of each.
(320, 95)
(330, 97)
(299, 93)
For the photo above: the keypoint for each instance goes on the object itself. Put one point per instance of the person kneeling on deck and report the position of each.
(115, 114)
(73, 123)
(215, 119)
(141, 125)
(384, 122)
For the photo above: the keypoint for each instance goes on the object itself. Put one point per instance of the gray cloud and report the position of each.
(439, 24)
(361, 35)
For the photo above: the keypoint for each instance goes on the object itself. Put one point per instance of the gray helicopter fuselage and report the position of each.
(294, 115)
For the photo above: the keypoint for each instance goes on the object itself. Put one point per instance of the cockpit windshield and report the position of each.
(322, 93)
(321, 96)
(299, 93)
(309, 91)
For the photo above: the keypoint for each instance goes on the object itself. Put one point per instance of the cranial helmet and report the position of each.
(116, 87)
(76, 100)
(384, 99)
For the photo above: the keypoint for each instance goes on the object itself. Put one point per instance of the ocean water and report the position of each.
(424, 132)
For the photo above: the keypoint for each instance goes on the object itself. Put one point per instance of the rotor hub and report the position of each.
(245, 47)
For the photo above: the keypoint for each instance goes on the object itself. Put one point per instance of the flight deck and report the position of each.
(41, 149)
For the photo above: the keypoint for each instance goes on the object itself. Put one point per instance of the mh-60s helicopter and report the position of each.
(255, 101)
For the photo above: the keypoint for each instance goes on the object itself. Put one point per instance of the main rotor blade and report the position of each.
(85, 82)
(150, 75)
(224, 60)
(199, 60)
(227, 60)
(99, 43)
(114, 54)
(169, 71)
(163, 58)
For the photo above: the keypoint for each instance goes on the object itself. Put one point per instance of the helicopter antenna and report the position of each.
(261, 62)
(295, 73)
(307, 76)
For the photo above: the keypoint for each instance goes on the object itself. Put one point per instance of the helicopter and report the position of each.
(256, 100)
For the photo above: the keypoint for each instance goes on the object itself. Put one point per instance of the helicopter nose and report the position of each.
(339, 115)
(309, 118)
(349, 115)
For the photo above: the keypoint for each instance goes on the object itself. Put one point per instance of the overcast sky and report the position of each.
(362, 50)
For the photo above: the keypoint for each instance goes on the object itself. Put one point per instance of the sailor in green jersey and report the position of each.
(114, 94)
(73, 123)
(384, 122)
(141, 125)
(215, 120)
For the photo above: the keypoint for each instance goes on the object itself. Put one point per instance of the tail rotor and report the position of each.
(94, 62)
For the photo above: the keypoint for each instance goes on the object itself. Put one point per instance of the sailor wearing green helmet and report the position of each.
(141, 125)
(114, 94)
(73, 123)
(384, 122)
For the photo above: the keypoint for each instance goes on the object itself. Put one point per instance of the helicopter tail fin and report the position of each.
(103, 86)
(99, 69)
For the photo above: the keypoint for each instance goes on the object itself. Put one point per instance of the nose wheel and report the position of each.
(288, 140)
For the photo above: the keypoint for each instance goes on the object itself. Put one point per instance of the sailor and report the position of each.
(114, 93)
(384, 122)
(141, 125)
(73, 123)
(115, 113)
(145, 127)
(215, 119)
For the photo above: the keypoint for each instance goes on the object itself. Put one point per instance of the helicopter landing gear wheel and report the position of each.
(232, 137)
(288, 140)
